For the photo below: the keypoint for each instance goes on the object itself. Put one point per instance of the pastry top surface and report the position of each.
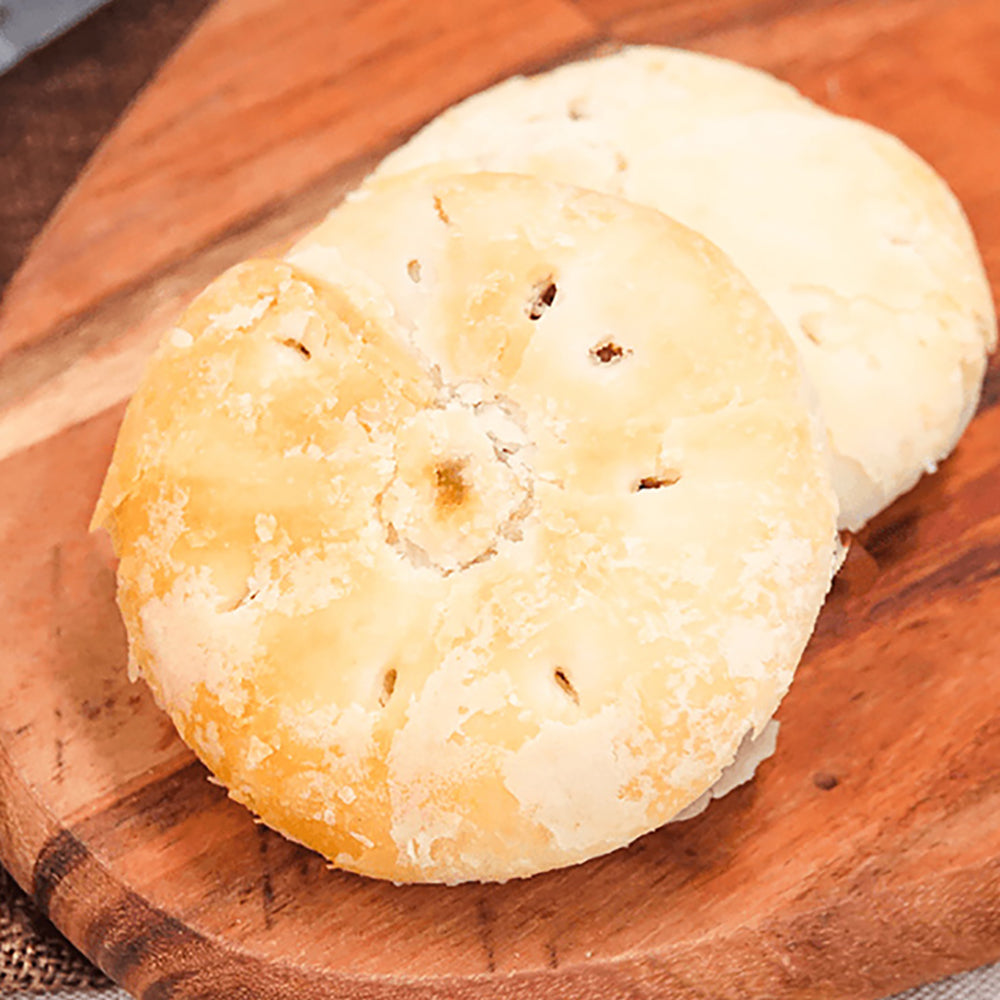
(472, 538)
(855, 242)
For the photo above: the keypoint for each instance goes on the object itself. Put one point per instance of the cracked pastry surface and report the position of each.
(854, 241)
(473, 538)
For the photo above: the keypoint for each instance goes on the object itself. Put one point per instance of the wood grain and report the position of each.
(683, 22)
(263, 100)
(865, 857)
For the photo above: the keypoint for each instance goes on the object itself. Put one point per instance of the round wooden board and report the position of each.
(866, 855)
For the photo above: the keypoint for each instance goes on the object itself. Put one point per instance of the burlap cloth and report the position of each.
(34, 956)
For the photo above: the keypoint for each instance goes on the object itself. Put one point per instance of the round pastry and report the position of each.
(857, 245)
(472, 539)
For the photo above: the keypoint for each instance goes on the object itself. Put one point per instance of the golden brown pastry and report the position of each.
(472, 539)
(855, 243)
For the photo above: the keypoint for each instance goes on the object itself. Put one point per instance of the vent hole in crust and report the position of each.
(657, 482)
(608, 352)
(809, 325)
(413, 270)
(542, 296)
(576, 110)
(566, 685)
(388, 686)
(450, 483)
(247, 597)
(441, 213)
(297, 345)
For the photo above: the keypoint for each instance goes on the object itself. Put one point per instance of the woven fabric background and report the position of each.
(983, 984)
(33, 954)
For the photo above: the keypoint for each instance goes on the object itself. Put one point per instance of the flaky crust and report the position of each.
(472, 539)
(857, 245)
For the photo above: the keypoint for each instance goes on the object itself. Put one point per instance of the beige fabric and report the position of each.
(857, 245)
(34, 957)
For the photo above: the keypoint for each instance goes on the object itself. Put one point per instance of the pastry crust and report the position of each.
(857, 245)
(473, 538)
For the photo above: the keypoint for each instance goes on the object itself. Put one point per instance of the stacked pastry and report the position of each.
(484, 532)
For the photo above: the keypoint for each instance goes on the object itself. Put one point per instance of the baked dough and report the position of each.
(472, 539)
(857, 245)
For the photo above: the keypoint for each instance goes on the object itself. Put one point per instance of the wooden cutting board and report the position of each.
(865, 857)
